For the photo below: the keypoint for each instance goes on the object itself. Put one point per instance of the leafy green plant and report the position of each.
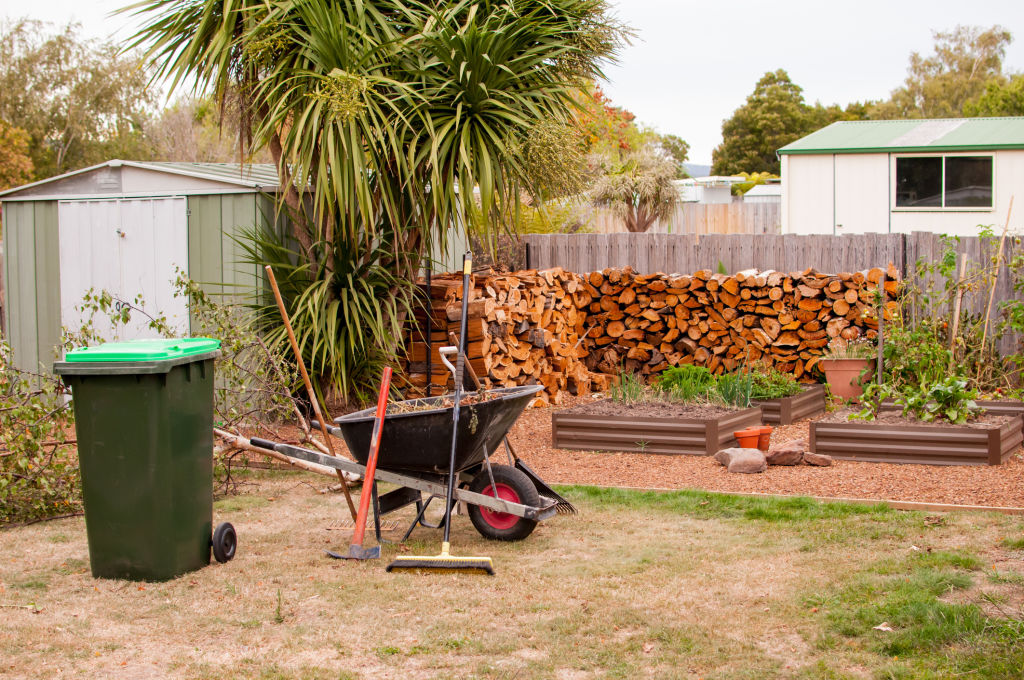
(38, 465)
(947, 399)
(771, 383)
(686, 382)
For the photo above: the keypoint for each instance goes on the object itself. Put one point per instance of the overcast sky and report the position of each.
(693, 63)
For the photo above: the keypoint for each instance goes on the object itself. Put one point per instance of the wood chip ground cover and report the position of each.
(640, 584)
(1000, 485)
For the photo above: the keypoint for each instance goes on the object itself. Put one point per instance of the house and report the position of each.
(127, 227)
(710, 190)
(764, 193)
(898, 176)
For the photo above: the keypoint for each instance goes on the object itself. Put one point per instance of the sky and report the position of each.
(692, 64)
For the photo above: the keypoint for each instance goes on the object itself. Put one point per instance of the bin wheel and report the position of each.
(512, 485)
(225, 541)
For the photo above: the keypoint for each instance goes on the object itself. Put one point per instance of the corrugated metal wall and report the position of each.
(32, 282)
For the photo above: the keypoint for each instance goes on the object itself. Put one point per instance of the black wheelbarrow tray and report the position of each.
(504, 502)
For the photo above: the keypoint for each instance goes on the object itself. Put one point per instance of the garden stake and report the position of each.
(356, 551)
(956, 307)
(309, 386)
(445, 561)
(995, 278)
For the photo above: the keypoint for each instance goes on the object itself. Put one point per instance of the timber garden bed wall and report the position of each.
(641, 434)
(787, 410)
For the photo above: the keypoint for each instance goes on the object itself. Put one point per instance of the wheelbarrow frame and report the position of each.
(430, 484)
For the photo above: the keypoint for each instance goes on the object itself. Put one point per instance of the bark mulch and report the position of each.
(999, 485)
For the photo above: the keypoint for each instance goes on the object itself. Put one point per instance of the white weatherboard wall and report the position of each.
(129, 247)
(853, 194)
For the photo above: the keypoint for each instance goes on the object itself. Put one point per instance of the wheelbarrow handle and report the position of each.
(444, 359)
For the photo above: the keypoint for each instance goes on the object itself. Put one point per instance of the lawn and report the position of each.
(640, 584)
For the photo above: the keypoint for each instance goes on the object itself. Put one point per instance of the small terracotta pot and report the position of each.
(764, 437)
(747, 438)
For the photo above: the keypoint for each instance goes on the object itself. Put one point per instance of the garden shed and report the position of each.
(898, 176)
(125, 227)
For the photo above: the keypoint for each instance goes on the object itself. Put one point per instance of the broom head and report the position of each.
(443, 562)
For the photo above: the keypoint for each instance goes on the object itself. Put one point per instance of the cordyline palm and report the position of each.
(388, 120)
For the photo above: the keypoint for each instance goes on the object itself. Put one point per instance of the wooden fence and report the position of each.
(686, 253)
(697, 218)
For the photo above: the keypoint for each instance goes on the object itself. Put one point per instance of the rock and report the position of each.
(789, 453)
(819, 459)
(748, 461)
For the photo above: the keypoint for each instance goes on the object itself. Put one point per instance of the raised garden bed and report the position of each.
(1009, 407)
(894, 439)
(786, 410)
(700, 434)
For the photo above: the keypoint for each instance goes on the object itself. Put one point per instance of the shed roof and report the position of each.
(182, 178)
(887, 136)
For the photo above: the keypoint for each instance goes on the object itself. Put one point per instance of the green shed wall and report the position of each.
(32, 282)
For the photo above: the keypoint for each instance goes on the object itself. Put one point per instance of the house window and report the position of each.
(944, 182)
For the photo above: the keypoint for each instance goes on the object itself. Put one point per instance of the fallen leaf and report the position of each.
(884, 626)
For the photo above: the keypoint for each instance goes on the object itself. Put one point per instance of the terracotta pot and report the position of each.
(747, 438)
(764, 437)
(843, 376)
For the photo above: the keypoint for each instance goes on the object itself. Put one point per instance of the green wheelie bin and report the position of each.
(144, 421)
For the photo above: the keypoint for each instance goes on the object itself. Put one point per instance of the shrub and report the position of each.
(771, 383)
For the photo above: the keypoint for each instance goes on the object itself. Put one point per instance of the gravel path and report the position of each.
(999, 485)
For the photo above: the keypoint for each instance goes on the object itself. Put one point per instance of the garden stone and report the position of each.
(749, 461)
(819, 459)
(789, 453)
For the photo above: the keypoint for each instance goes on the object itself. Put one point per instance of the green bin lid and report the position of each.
(143, 350)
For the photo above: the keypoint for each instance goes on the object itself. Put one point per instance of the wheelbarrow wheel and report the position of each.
(225, 541)
(512, 485)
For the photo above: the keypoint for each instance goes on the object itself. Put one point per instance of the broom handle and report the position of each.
(308, 384)
(467, 266)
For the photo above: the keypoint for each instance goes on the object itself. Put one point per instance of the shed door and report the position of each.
(129, 247)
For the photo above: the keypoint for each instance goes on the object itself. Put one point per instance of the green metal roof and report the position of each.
(886, 136)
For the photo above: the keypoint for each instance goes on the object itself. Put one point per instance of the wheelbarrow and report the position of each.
(504, 502)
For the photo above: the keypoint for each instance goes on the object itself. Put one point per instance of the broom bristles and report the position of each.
(442, 562)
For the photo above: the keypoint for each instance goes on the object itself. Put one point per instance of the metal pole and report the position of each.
(881, 326)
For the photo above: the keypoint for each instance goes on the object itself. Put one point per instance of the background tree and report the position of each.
(672, 148)
(774, 115)
(640, 189)
(15, 164)
(999, 99)
(965, 61)
(81, 102)
(199, 130)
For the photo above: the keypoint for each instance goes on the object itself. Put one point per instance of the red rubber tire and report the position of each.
(512, 485)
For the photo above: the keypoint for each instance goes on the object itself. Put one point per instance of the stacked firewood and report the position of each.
(573, 333)
(646, 323)
(524, 328)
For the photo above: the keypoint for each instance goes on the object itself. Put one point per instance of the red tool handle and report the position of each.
(371, 463)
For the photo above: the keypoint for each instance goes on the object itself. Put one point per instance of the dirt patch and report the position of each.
(648, 409)
(982, 422)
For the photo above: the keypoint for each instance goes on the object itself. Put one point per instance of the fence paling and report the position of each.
(697, 218)
(686, 253)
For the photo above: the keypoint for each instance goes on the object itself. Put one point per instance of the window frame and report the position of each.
(894, 188)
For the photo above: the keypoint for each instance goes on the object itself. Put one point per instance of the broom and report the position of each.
(446, 561)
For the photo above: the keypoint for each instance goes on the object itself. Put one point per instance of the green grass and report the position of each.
(1013, 543)
(931, 637)
(707, 505)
